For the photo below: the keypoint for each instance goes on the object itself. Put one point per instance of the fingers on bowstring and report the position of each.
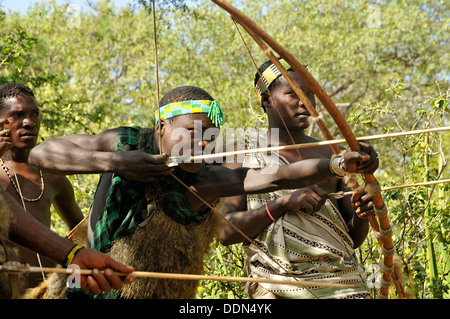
(361, 198)
(317, 198)
(356, 197)
(362, 204)
(156, 163)
(318, 190)
(307, 208)
(323, 197)
(158, 159)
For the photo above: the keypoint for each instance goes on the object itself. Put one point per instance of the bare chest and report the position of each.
(31, 190)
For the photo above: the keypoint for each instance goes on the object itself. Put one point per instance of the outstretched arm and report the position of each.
(76, 153)
(219, 181)
(355, 212)
(91, 154)
(28, 232)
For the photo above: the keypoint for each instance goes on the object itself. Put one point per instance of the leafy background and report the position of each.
(384, 63)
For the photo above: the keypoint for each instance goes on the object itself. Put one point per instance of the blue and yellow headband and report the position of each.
(268, 76)
(212, 108)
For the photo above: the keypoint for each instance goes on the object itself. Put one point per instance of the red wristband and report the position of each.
(268, 213)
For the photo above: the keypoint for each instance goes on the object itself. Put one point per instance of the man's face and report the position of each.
(188, 135)
(23, 121)
(289, 105)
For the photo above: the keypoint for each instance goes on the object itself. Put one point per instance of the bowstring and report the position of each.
(186, 186)
(259, 73)
(155, 40)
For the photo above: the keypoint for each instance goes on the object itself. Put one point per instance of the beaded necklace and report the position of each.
(17, 188)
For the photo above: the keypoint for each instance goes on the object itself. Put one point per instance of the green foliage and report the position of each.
(223, 261)
(384, 64)
(419, 215)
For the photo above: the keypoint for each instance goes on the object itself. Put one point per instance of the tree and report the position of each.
(384, 64)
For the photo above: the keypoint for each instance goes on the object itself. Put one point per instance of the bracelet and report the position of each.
(71, 255)
(268, 213)
(336, 163)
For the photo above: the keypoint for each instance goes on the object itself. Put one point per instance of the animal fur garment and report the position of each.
(160, 245)
(164, 245)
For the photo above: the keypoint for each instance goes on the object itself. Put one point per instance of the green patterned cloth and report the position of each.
(126, 206)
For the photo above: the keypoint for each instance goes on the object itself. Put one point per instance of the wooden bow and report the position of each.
(381, 226)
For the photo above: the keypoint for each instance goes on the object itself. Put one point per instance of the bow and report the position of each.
(382, 226)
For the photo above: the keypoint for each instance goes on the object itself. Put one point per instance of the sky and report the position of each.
(23, 5)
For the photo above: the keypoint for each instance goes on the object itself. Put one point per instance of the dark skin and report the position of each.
(19, 129)
(29, 232)
(282, 101)
(96, 154)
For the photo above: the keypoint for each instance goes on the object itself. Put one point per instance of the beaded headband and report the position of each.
(268, 76)
(212, 108)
